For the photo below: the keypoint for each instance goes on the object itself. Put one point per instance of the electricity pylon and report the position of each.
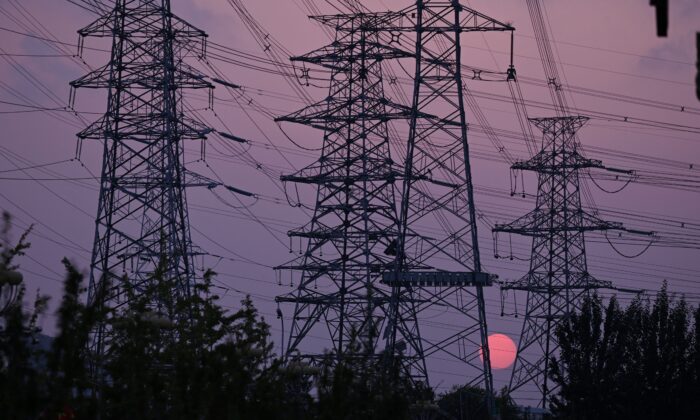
(433, 261)
(349, 239)
(558, 278)
(142, 224)
(437, 268)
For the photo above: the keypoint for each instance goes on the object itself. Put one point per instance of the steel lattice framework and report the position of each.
(350, 238)
(437, 266)
(142, 223)
(426, 255)
(558, 277)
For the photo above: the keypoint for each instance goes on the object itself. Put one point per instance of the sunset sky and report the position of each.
(610, 58)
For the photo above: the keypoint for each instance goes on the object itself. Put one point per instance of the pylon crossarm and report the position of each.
(370, 22)
(440, 18)
(331, 111)
(332, 57)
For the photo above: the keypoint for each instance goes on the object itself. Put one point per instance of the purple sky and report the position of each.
(602, 45)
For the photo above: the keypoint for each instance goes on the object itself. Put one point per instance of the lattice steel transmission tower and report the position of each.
(142, 220)
(427, 255)
(558, 277)
(349, 238)
(437, 269)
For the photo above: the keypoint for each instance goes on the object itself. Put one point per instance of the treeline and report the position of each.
(189, 360)
(639, 362)
(192, 359)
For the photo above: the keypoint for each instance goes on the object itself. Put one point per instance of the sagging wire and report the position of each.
(279, 125)
(233, 156)
(646, 248)
(298, 200)
(628, 182)
(226, 203)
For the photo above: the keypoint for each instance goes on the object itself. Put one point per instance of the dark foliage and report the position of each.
(19, 360)
(364, 388)
(467, 402)
(187, 357)
(636, 362)
(181, 358)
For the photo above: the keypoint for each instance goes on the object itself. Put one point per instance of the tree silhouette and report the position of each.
(637, 362)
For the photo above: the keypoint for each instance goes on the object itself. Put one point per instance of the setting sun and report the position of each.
(502, 350)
